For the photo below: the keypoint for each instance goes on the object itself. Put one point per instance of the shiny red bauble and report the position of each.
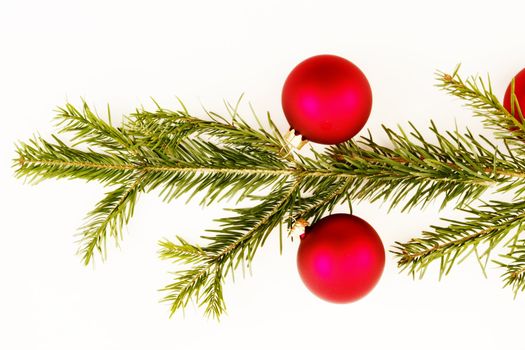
(326, 99)
(519, 91)
(340, 258)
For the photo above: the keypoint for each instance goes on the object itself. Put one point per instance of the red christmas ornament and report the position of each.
(326, 99)
(340, 258)
(519, 91)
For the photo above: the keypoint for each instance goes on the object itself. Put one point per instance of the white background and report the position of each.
(123, 52)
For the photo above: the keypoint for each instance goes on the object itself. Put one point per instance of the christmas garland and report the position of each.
(326, 99)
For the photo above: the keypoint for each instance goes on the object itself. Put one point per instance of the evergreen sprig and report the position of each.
(478, 95)
(514, 265)
(480, 232)
(218, 158)
(233, 244)
(108, 218)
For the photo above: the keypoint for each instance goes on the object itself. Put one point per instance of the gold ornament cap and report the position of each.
(298, 228)
(294, 139)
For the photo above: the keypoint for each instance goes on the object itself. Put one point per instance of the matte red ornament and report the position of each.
(326, 99)
(519, 91)
(340, 258)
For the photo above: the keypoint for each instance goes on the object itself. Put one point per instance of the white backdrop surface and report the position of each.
(123, 53)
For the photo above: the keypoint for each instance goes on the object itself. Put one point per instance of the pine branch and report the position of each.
(88, 128)
(223, 171)
(514, 264)
(108, 218)
(320, 201)
(39, 160)
(416, 171)
(479, 233)
(165, 129)
(479, 96)
(226, 158)
(190, 166)
(234, 243)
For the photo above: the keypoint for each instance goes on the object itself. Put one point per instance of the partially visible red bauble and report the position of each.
(340, 258)
(519, 91)
(326, 99)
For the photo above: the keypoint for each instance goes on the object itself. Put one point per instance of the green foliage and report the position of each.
(514, 266)
(40, 159)
(108, 218)
(480, 232)
(221, 158)
(414, 171)
(234, 243)
(478, 96)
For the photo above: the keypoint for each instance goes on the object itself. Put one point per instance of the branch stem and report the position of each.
(288, 172)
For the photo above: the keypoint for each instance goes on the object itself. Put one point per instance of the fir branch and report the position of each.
(39, 160)
(234, 243)
(88, 128)
(320, 201)
(514, 264)
(223, 171)
(416, 171)
(224, 158)
(458, 166)
(165, 129)
(479, 233)
(108, 218)
(478, 95)
(182, 251)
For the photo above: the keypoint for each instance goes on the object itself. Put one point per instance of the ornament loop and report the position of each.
(298, 228)
(294, 139)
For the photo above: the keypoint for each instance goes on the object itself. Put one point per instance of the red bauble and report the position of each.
(327, 99)
(340, 258)
(519, 91)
